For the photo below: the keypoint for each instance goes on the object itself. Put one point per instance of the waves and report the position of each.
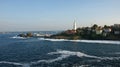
(13, 63)
(52, 39)
(100, 41)
(17, 37)
(81, 54)
(72, 53)
(85, 41)
(51, 60)
(63, 54)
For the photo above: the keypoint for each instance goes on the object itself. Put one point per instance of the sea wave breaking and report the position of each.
(63, 54)
(85, 41)
(17, 37)
(15, 63)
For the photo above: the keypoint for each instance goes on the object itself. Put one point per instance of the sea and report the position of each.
(43, 52)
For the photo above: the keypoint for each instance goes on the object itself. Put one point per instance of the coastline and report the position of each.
(78, 38)
(84, 41)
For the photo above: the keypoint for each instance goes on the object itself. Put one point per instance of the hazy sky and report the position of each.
(38, 15)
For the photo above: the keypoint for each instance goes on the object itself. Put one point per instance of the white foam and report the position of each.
(80, 54)
(17, 37)
(52, 39)
(63, 54)
(14, 63)
(86, 41)
(51, 60)
(98, 41)
(69, 53)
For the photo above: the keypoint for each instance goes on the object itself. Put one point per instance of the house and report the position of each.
(116, 29)
(116, 25)
(107, 30)
(70, 31)
(99, 30)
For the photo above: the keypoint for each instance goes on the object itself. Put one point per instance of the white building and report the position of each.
(74, 25)
(107, 30)
(99, 31)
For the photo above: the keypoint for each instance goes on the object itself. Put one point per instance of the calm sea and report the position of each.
(40, 52)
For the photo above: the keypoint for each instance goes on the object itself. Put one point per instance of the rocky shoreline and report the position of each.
(78, 38)
(91, 33)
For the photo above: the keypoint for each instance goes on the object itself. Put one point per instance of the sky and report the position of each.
(53, 15)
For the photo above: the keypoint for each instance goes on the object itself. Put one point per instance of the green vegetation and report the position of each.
(26, 35)
(91, 33)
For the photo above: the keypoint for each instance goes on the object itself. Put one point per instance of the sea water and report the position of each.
(40, 52)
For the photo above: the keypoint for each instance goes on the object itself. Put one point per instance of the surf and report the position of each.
(17, 37)
(63, 54)
(84, 41)
(66, 54)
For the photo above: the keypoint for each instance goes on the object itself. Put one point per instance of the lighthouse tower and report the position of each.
(74, 25)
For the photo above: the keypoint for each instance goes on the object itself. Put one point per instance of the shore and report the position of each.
(84, 41)
(76, 37)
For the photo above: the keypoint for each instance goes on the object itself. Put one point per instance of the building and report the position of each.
(98, 30)
(117, 29)
(73, 31)
(70, 32)
(74, 26)
(117, 25)
(107, 30)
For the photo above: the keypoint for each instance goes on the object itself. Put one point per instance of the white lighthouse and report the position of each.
(74, 25)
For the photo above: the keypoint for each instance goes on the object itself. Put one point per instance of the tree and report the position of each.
(94, 26)
(105, 26)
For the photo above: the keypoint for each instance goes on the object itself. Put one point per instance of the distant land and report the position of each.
(94, 32)
(91, 33)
